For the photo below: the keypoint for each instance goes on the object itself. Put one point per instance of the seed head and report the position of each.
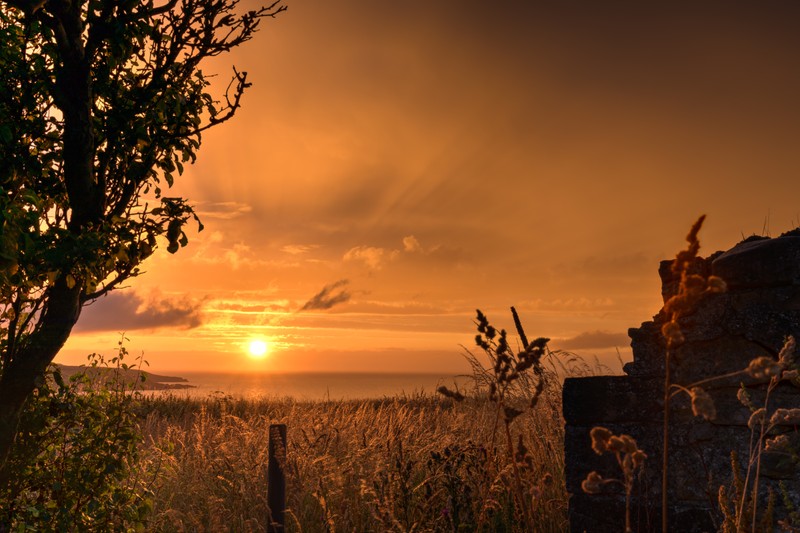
(685, 257)
(511, 413)
(483, 322)
(757, 418)
(744, 398)
(600, 436)
(716, 284)
(764, 368)
(780, 443)
(453, 394)
(521, 456)
(480, 342)
(677, 305)
(787, 355)
(638, 458)
(702, 404)
(672, 332)
(502, 344)
(593, 483)
(694, 284)
(785, 417)
(616, 444)
(629, 457)
(628, 444)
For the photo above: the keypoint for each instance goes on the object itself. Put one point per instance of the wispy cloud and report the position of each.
(374, 258)
(411, 244)
(128, 311)
(298, 249)
(329, 296)
(222, 210)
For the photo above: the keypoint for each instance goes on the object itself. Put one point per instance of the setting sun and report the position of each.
(257, 349)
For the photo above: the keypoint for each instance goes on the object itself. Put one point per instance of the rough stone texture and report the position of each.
(723, 334)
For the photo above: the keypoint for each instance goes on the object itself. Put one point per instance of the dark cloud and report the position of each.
(595, 340)
(329, 296)
(127, 311)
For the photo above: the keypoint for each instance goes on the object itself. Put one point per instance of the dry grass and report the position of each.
(417, 463)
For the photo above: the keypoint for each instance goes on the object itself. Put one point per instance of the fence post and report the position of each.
(276, 478)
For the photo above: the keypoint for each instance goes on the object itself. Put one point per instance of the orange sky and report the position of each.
(396, 166)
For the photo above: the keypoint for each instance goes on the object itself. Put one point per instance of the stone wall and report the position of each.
(724, 333)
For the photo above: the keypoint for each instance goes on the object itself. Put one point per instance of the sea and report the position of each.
(313, 386)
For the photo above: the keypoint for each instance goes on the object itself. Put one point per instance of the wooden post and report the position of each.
(276, 478)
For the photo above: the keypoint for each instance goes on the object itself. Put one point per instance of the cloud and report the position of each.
(376, 258)
(329, 296)
(128, 311)
(411, 244)
(222, 210)
(218, 249)
(298, 249)
(595, 340)
(373, 257)
(243, 308)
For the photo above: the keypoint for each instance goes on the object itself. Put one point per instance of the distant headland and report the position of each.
(130, 376)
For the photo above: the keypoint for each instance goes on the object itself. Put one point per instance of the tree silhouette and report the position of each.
(102, 102)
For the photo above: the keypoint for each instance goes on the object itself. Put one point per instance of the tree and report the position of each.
(102, 102)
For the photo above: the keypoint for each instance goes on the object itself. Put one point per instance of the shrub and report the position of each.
(74, 460)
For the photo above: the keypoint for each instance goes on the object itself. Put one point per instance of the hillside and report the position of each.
(151, 381)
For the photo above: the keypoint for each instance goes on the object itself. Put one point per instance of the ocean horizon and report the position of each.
(311, 385)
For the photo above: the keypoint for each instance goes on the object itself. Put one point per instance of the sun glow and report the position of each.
(258, 349)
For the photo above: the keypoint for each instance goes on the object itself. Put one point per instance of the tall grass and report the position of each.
(488, 458)
(418, 463)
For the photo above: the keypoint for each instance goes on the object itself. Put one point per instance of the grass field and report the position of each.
(422, 463)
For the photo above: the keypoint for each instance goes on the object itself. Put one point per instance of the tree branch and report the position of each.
(111, 285)
(241, 84)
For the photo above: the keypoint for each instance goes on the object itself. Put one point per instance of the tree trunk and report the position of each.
(73, 95)
(27, 370)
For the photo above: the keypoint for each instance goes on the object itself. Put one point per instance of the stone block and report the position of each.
(760, 263)
(609, 399)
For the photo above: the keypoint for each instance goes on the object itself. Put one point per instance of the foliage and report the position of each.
(76, 464)
(102, 103)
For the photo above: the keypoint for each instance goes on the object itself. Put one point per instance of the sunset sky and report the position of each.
(397, 165)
